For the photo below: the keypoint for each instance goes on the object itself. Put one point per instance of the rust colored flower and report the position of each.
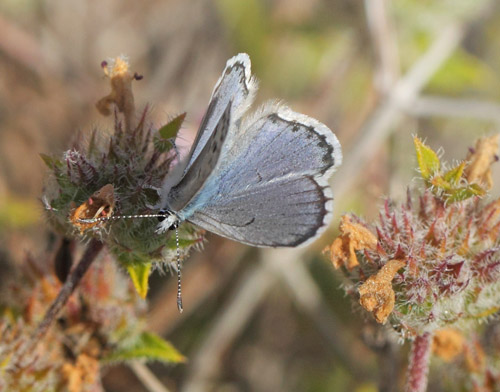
(446, 236)
(353, 237)
(376, 294)
(81, 374)
(121, 90)
(447, 343)
(133, 159)
(99, 205)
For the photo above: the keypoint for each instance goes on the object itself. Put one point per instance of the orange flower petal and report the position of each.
(99, 205)
(353, 237)
(376, 294)
(447, 343)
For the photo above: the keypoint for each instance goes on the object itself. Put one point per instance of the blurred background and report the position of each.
(376, 72)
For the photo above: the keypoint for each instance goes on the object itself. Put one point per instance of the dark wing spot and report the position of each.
(249, 222)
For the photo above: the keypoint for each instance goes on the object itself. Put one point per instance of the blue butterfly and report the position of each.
(260, 179)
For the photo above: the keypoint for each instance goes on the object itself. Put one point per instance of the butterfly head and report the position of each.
(168, 220)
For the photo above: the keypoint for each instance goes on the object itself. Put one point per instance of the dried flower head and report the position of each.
(376, 293)
(101, 323)
(471, 361)
(354, 237)
(480, 159)
(121, 95)
(99, 205)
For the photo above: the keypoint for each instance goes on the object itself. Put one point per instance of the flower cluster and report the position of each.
(117, 173)
(433, 261)
(431, 265)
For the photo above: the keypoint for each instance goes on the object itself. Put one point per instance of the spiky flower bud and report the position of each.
(117, 173)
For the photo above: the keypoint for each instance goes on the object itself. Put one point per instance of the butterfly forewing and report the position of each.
(233, 93)
(235, 85)
(202, 167)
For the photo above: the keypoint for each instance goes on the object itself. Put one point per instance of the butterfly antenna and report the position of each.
(116, 217)
(179, 292)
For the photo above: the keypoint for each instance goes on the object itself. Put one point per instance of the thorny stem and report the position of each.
(75, 276)
(418, 367)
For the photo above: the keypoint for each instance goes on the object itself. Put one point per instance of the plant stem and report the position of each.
(418, 367)
(75, 276)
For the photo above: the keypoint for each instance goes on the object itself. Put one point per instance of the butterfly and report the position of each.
(261, 178)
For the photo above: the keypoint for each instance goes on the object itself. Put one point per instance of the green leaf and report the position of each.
(170, 130)
(428, 160)
(476, 189)
(139, 273)
(463, 193)
(150, 347)
(50, 162)
(454, 175)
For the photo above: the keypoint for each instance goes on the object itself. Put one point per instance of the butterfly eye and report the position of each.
(162, 218)
(164, 214)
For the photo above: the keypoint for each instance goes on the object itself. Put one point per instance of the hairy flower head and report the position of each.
(442, 248)
(118, 172)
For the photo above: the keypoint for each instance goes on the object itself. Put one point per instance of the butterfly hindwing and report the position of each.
(260, 180)
(272, 190)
